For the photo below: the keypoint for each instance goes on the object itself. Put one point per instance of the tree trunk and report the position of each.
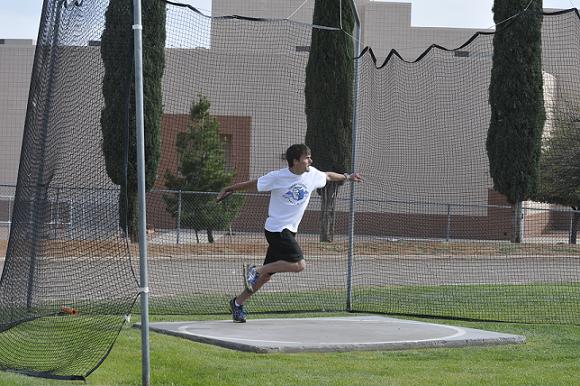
(574, 226)
(327, 211)
(128, 214)
(123, 211)
(210, 236)
(518, 223)
(133, 217)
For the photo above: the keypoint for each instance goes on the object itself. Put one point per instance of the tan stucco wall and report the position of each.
(16, 57)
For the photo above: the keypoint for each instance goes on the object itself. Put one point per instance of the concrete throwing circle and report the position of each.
(331, 334)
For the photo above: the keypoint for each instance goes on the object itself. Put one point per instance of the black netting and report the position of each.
(430, 236)
(442, 231)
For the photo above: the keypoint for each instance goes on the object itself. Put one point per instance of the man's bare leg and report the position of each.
(282, 266)
(245, 295)
(265, 272)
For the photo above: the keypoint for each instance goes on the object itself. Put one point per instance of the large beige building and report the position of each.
(385, 27)
(16, 57)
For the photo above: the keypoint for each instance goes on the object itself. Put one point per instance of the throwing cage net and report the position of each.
(429, 235)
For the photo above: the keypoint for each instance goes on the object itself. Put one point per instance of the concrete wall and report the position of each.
(16, 58)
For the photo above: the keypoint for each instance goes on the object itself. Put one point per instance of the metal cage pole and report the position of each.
(357, 37)
(143, 274)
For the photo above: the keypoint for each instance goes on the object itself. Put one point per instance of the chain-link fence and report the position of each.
(543, 223)
(6, 208)
(180, 217)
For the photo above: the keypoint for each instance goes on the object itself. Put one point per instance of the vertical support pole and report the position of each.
(350, 259)
(70, 217)
(140, 131)
(10, 204)
(570, 228)
(178, 220)
(56, 217)
(514, 223)
(448, 227)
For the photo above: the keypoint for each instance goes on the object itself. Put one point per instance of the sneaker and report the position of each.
(238, 313)
(251, 276)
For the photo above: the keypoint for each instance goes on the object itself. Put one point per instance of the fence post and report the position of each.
(56, 218)
(514, 235)
(70, 220)
(178, 220)
(350, 258)
(448, 227)
(10, 201)
(571, 227)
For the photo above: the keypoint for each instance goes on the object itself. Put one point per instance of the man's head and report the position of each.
(295, 152)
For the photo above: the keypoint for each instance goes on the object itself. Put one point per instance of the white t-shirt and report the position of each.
(289, 196)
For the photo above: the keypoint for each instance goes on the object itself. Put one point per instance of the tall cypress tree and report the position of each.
(118, 116)
(329, 99)
(516, 99)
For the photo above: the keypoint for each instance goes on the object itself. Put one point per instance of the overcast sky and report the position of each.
(19, 19)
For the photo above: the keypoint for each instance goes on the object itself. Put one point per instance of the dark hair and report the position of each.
(295, 152)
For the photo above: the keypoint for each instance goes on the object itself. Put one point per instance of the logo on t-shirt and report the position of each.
(296, 194)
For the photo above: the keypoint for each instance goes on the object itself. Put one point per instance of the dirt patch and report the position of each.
(255, 245)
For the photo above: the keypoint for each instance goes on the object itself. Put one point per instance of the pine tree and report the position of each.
(202, 168)
(118, 116)
(329, 99)
(516, 99)
(559, 178)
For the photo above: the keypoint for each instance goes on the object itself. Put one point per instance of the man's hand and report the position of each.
(355, 177)
(225, 193)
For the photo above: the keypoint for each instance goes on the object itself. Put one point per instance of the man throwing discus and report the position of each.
(290, 191)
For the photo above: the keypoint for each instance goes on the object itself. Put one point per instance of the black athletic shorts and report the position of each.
(282, 246)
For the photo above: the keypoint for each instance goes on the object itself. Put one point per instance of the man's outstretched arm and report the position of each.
(336, 177)
(247, 186)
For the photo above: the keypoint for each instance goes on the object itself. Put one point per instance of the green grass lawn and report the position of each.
(176, 361)
(518, 303)
(514, 303)
(551, 356)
